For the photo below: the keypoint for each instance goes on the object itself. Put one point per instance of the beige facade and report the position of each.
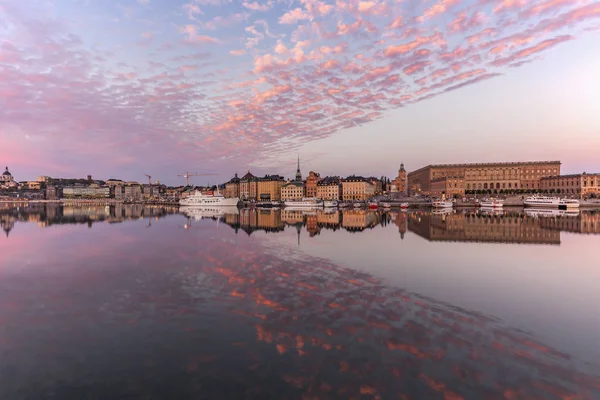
(329, 190)
(311, 184)
(357, 188)
(7, 180)
(485, 176)
(269, 188)
(377, 185)
(578, 185)
(292, 191)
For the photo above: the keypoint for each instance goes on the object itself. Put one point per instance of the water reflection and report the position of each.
(210, 314)
(468, 225)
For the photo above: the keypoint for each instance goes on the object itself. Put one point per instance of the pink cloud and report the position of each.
(256, 6)
(440, 7)
(546, 44)
(191, 32)
(293, 16)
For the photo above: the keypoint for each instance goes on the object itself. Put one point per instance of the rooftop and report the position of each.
(493, 164)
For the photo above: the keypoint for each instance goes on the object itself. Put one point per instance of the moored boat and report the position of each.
(550, 202)
(308, 202)
(358, 205)
(209, 199)
(491, 203)
(441, 204)
(404, 206)
(373, 205)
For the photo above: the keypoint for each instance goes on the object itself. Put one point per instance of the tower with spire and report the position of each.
(399, 184)
(298, 174)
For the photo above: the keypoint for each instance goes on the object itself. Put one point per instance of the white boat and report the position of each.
(331, 203)
(491, 203)
(442, 211)
(404, 206)
(358, 205)
(550, 202)
(343, 205)
(387, 206)
(214, 199)
(309, 202)
(441, 204)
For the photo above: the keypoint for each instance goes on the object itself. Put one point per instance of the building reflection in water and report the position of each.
(508, 226)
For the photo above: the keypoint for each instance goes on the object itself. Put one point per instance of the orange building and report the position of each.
(311, 184)
(399, 184)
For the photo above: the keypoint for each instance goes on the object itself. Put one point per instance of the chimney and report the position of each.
(89, 177)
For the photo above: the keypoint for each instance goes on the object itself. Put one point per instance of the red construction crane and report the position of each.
(187, 176)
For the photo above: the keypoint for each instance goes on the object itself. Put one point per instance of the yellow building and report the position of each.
(508, 176)
(357, 188)
(579, 185)
(329, 189)
(269, 188)
(33, 185)
(293, 190)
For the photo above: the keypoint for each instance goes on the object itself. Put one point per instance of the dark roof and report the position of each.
(247, 177)
(6, 173)
(272, 178)
(354, 178)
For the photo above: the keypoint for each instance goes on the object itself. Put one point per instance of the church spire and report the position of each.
(298, 174)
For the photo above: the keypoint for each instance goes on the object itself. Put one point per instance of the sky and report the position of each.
(119, 89)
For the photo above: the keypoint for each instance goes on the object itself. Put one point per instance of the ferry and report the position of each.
(331, 204)
(441, 204)
(210, 199)
(309, 202)
(550, 202)
(491, 203)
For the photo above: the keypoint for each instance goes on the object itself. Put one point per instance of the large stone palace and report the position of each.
(454, 179)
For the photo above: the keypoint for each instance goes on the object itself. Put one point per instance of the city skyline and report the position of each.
(121, 89)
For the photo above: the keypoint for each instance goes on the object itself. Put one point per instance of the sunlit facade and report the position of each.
(492, 177)
(577, 185)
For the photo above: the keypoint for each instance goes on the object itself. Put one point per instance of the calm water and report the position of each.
(147, 303)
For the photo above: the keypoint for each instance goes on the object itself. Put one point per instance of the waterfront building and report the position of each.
(248, 187)
(269, 188)
(579, 185)
(82, 191)
(33, 185)
(377, 185)
(357, 188)
(487, 177)
(399, 183)
(329, 188)
(7, 181)
(232, 188)
(293, 190)
(311, 184)
(52, 192)
(43, 179)
(449, 186)
(132, 192)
